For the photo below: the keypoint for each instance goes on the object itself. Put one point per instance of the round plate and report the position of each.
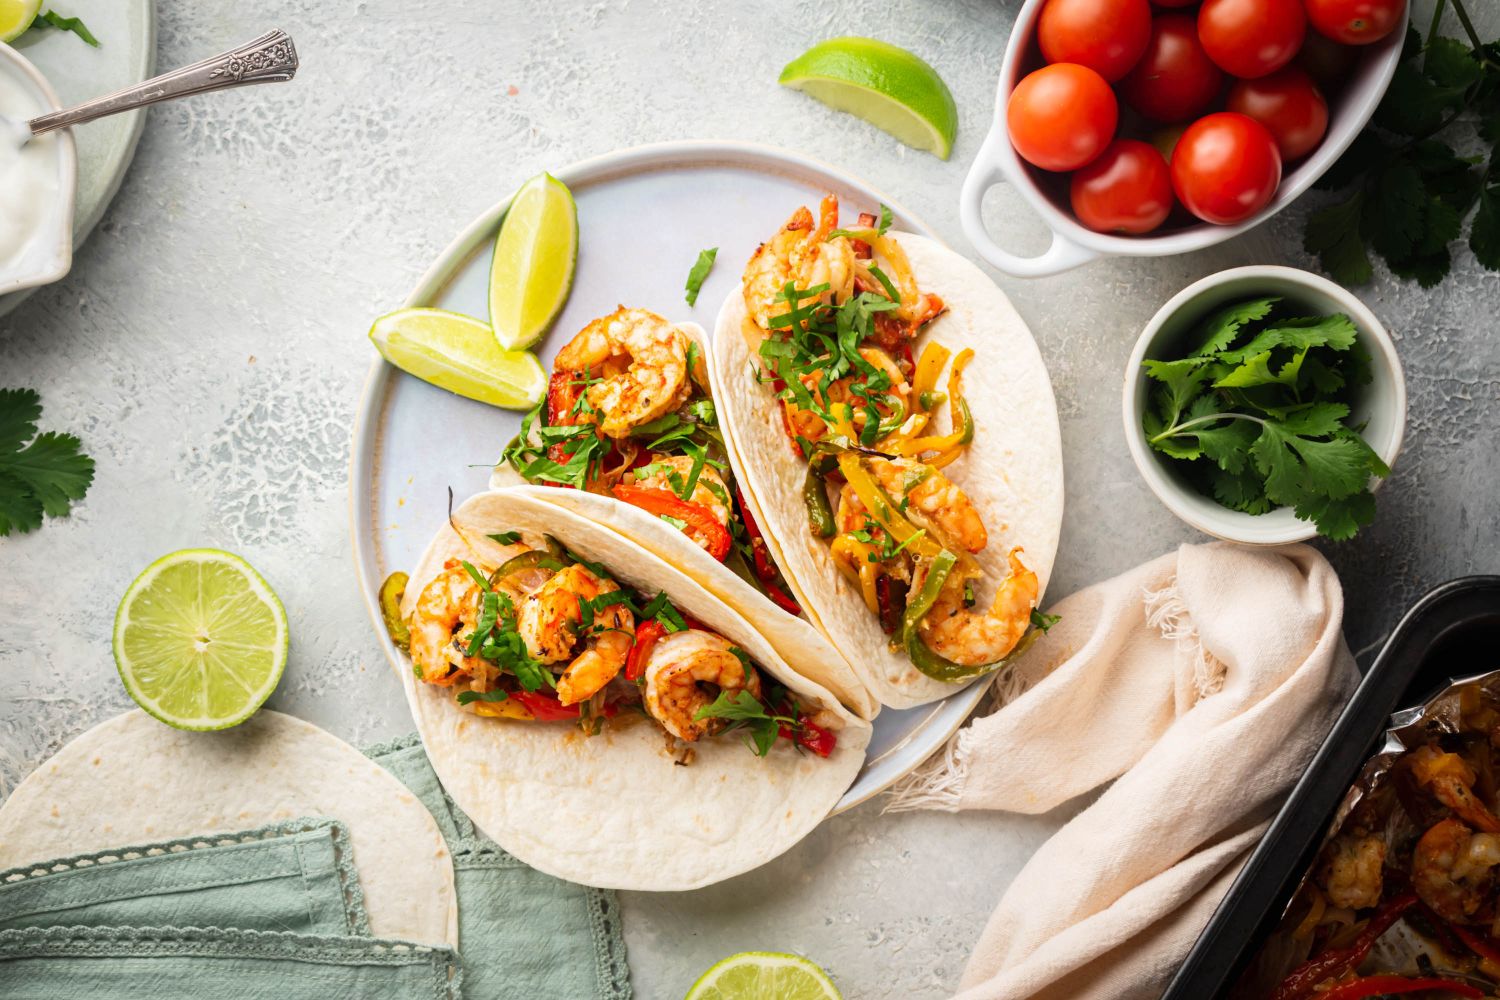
(643, 215)
(126, 30)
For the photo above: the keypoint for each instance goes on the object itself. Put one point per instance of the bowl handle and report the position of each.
(984, 174)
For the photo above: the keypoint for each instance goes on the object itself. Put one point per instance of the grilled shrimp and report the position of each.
(684, 672)
(800, 253)
(547, 621)
(445, 614)
(640, 360)
(935, 499)
(1453, 871)
(1450, 780)
(1352, 870)
(972, 637)
(669, 473)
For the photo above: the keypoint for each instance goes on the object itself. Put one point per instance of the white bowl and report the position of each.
(49, 254)
(1380, 406)
(1047, 193)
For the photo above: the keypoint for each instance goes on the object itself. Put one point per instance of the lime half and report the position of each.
(533, 266)
(764, 975)
(458, 353)
(16, 16)
(200, 639)
(886, 86)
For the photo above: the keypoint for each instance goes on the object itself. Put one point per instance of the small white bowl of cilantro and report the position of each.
(1264, 404)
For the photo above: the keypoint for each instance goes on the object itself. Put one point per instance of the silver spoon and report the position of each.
(271, 58)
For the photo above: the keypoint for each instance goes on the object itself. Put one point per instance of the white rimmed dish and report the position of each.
(47, 252)
(1047, 193)
(1379, 406)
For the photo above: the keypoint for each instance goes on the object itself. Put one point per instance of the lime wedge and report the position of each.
(533, 266)
(200, 639)
(886, 86)
(16, 16)
(764, 975)
(458, 353)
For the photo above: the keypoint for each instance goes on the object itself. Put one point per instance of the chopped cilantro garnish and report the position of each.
(699, 272)
(675, 522)
(464, 697)
(505, 537)
(74, 24)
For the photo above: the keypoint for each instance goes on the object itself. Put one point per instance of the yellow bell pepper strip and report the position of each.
(924, 659)
(929, 367)
(959, 416)
(856, 560)
(883, 511)
(391, 593)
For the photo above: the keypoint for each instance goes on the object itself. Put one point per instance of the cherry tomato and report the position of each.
(1225, 168)
(1287, 103)
(1128, 189)
(1355, 22)
(1175, 79)
(1174, 3)
(1107, 36)
(1061, 116)
(1250, 38)
(1327, 61)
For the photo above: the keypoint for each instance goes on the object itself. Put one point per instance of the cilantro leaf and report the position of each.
(464, 697)
(1339, 519)
(1333, 233)
(1484, 235)
(885, 219)
(1221, 328)
(40, 478)
(1337, 332)
(74, 24)
(699, 272)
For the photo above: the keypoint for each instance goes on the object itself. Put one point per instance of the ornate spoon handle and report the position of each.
(271, 58)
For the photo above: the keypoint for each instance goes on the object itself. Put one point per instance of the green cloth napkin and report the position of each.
(523, 933)
(294, 876)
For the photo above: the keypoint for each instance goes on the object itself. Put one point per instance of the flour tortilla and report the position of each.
(799, 643)
(615, 810)
(133, 780)
(1012, 472)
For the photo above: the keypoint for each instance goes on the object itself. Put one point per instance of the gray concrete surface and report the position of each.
(209, 348)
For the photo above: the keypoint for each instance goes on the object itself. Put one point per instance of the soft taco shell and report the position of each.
(1012, 471)
(614, 810)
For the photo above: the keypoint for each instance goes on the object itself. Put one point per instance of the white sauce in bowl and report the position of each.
(28, 174)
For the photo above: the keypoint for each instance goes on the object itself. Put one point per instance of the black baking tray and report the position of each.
(1452, 632)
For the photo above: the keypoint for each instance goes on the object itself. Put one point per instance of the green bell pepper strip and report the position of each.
(923, 658)
(815, 493)
(533, 559)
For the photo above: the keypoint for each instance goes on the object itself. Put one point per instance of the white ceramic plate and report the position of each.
(126, 30)
(643, 215)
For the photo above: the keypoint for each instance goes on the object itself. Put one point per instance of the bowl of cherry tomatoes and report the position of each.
(1153, 127)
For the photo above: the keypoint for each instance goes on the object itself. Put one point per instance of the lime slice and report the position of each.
(458, 353)
(764, 975)
(200, 639)
(16, 16)
(533, 266)
(886, 86)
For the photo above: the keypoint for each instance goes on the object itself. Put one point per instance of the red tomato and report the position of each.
(1327, 61)
(1355, 22)
(1128, 189)
(1250, 38)
(1174, 3)
(1225, 168)
(1287, 103)
(1175, 79)
(1107, 36)
(1061, 116)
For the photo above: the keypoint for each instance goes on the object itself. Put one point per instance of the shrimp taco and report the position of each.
(896, 438)
(603, 717)
(628, 436)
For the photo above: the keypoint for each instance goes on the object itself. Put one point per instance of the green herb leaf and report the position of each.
(505, 537)
(40, 478)
(464, 697)
(73, 24)
(699, 272)
(885, 219)
(1220, 329)
(1333, 233)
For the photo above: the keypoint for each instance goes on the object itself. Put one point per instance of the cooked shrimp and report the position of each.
(971, 637)
(445, 614)
(800, 253)
(1451, 781)
(894, 399)
(1352, 870)
(670, 473)
(1453, 871)
(548, 621)
(684, 673)
(640, 360)
(936, 501)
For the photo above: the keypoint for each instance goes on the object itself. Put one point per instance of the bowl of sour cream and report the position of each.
(37, 182)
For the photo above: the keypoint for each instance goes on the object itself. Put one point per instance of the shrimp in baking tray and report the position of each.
(684, 673)
(1453, 870)
(636, 363)
(548, 622)
(800, 253)
(671, 472)
(1450, 780)
(974, 637)
(440, 623)
(1352, 870)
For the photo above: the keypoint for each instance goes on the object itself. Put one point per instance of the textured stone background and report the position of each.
(209, 348)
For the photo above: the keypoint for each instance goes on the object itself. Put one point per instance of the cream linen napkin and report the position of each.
(1200, 684)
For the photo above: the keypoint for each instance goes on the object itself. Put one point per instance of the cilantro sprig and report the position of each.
(742, 710)
(42, 477)
(1259, 412)
(699, 273)
(1412, 187)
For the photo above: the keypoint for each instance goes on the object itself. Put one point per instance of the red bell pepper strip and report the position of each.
(702, 526)
(1376, 986)
(646, 635)
(562, 395)
(1336, 962)
(1480, 944)
(812, 737)
(544, 706)
(765, 570)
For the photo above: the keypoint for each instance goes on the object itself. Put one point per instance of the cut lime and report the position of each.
(764, 975)
(886, 86)
(200, 639)
(458, 353)
(533, 266)
(16, 16)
